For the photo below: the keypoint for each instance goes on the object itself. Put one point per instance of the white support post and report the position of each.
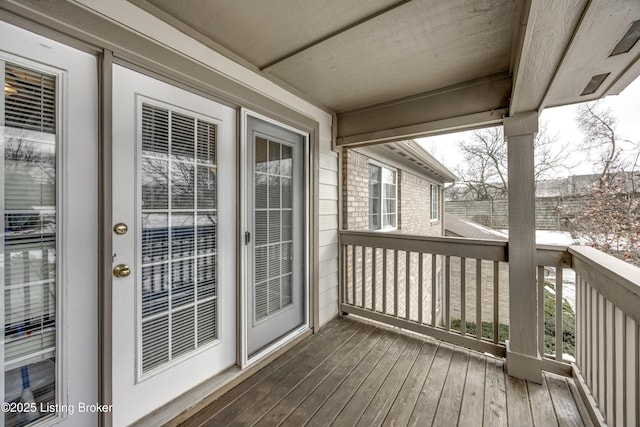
(523, 359)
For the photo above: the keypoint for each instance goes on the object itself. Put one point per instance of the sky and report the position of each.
(560, 121)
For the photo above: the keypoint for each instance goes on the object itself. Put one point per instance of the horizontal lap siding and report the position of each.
(328, 235)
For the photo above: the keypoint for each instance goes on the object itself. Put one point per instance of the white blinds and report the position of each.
(179, 219)
(29, 216)
(273, 221)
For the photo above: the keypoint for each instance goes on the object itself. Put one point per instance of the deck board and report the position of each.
(355, 373)
(379, 407)
(472, 408)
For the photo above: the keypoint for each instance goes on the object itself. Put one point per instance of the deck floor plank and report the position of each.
(541, 406)
(472, 409)
(405, 401)
(518, 406)
(378, 409)
(453, 390)
(298, 394)
(322, 392)
(355, 373)
(429, 397)
(341, 396)
(266, 387)
(371, 385)
(495, 399)
(563, 403)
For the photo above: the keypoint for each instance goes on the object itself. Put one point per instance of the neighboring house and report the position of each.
(459, 227)
(397, 188)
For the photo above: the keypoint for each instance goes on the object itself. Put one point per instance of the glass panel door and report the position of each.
(30, 234)
(276, 285)
(175, 188)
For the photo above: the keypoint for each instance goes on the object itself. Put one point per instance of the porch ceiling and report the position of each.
(393, 69)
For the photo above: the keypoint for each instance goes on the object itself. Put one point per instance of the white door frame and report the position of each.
(243, 256)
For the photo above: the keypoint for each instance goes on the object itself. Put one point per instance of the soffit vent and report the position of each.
(628, 41)
(594, 84)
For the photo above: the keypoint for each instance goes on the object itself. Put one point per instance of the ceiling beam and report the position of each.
(471, 105)
(333, 34)
(546, 30)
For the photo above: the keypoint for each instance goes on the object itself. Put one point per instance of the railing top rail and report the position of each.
(553, 255)
(616, 280)
(494, 250)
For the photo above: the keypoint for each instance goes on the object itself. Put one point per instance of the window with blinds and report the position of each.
(178, 304)
(30, 225)
(273, 222)
(383, 195)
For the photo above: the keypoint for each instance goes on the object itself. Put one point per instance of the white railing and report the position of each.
(608, 335)
(456, 290)
(409, 282)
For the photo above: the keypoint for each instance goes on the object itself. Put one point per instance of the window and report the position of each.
(383, 206)
(435, 201)
(28, 129)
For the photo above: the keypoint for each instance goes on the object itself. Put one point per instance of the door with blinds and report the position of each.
(275, 284)
(174, 263)
(48, 195)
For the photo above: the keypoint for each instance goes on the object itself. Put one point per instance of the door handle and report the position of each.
(121, 270)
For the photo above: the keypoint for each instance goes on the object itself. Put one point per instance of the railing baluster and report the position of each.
(601, 355)
(478, 298)
(343, 274)
(420, 285)
(353, 274)
(463, 296)
(447, 293)
(496, 300)
(364, 276)
(434, 288)
(620, 375)
(407, 293)
(541, 320)
(384, 281)
(609, 362)
(374, 290)
(395, 283)
(559, 303)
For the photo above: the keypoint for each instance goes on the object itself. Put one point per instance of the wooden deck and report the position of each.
(352, 373)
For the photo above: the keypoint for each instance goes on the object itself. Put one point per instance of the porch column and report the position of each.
(523, 360)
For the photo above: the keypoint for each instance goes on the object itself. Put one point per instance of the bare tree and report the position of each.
(483, 175)
(608, 217)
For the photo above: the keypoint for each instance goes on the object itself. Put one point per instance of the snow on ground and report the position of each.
(549, 237)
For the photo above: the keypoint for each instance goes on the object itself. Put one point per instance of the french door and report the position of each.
(174, 242)
(275, 283)
(49, 250)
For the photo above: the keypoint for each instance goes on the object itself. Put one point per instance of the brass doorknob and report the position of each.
(121, 270)
(120, 228)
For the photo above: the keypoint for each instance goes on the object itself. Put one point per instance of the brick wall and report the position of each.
(413, 218)
(355, 177)
(413, 198)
